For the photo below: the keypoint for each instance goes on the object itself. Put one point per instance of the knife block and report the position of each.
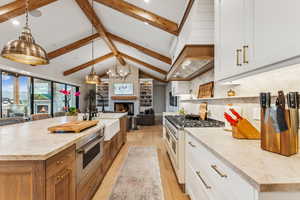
(245, 130)
(283, 143)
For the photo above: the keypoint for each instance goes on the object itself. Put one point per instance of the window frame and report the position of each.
(32, 91)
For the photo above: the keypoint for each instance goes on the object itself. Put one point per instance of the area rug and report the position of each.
(139, 178)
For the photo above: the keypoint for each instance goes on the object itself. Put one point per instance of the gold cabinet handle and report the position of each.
(238, 51)
(218, 172)
(202, 180)
(190, 143)
(59, 162)
(245, 53)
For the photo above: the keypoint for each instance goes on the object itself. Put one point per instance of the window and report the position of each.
(15, 95)
(58, 97)
(41, 96)
(72, 89)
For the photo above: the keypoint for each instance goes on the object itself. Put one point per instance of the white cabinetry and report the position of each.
(276, 30)
(207, 177)
(180, 87)
(254, 34)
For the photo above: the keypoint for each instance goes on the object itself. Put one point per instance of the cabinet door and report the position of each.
(229, 38)
(276, 31)
(61, 186)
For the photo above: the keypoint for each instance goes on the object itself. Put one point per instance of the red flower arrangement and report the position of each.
(67, 93)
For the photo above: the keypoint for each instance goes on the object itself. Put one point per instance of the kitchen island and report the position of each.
(237, 169)
(42, 165)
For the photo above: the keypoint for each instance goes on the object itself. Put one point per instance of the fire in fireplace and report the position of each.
(125, 107)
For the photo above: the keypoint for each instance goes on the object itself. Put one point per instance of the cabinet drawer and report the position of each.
(60, 161)
(230, 184)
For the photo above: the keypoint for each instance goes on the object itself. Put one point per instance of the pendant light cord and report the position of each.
(93, 40)
(26, 11)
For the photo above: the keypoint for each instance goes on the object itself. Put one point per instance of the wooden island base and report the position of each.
(55, 178)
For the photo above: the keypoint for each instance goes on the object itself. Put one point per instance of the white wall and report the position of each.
(168, 107)
(198, 28)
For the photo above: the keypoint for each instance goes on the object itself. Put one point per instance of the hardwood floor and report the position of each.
(147, 136)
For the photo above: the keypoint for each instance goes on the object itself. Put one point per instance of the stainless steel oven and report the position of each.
(89, 152)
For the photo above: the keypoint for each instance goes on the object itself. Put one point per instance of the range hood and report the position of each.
(191, 62)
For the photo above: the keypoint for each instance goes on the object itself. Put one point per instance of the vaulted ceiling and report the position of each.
(137, 32)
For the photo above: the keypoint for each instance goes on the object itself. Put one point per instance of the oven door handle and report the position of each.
(89, 145)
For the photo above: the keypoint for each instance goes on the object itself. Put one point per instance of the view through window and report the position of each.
(58, 97)
(42, 96)
(15, 95)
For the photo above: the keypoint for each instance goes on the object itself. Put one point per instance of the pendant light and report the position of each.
(92, 77)
(25, 50)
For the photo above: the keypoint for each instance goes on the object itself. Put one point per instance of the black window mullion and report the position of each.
(77, 98)
(52, 99)
(32, 95)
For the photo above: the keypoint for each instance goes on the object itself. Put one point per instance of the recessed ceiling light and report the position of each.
(147, 1)
(15, 22)
(146, 23)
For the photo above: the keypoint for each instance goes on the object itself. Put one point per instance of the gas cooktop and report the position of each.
(190, 121)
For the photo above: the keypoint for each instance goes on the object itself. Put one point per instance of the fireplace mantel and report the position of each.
(124, 97)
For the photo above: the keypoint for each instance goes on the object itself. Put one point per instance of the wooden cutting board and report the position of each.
(203, 111)
(74, 126)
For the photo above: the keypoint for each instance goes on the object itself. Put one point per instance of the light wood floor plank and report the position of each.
(147, 136)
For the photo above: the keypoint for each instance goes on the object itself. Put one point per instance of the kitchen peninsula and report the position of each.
(42, 165)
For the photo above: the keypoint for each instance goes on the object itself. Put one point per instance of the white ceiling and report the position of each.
(63, 22)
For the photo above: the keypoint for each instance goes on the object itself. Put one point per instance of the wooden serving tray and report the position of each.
(74, 126)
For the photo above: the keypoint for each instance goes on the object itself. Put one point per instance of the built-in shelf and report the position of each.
(217, 99)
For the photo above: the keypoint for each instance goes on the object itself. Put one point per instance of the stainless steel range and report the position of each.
(174, 137)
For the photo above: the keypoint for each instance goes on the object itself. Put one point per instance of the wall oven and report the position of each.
(89, 152)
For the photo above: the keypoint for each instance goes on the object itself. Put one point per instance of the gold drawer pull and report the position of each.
(59, 162)
(190, 143)
(238, 51)
(218, 172)
(245, 51)
(202, 180)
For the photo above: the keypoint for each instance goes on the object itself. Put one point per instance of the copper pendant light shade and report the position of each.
(25, 50)
(92, 78)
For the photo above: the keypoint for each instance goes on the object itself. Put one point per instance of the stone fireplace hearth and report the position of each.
(124, 107)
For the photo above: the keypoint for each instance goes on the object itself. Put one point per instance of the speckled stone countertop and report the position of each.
(32, 140)
(266, 171)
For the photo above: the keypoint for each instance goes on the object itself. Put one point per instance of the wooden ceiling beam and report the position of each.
(144, 63)
(70, 47)
(17, 8)
(82, 42)
(142, 15)
(86, 65)
(186, 14)
(142, 49)
(151, 76)
(93, 18)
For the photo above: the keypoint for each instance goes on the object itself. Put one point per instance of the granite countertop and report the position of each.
(32, 140)
(266, 171)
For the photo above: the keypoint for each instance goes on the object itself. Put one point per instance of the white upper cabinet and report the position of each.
(254, 34)
(276, 31)
(230, 37)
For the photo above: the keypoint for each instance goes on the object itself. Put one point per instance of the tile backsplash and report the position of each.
(286, 79)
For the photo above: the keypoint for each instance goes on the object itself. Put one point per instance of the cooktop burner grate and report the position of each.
(189, 121)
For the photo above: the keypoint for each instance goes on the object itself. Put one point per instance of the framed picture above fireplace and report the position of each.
(123, 89)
